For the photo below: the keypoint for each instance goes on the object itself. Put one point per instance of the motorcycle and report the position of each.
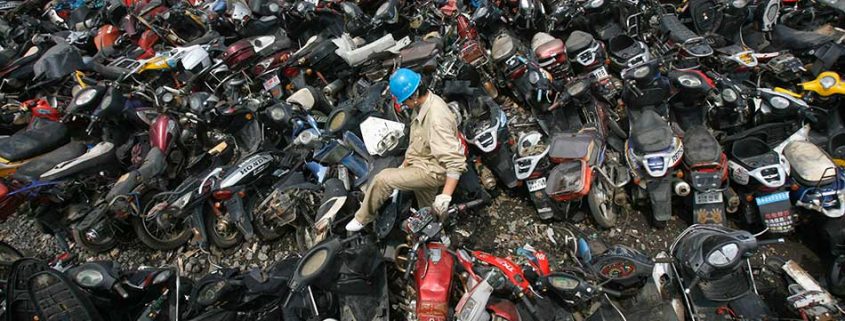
(430, 261)
(531, 165)
(653, 149)
(580, 152)
(711, 269)
(706, 170)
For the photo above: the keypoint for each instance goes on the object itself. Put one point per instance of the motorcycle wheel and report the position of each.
(153, 235)
(101, 245)
(601, 204)
(264, 224)
(155, 238)
(222, 234)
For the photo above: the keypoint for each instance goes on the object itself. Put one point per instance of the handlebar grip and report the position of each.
(529, 305)
(465, 206)
(611, 292)
(90, 127)
(774, 241)
(120, 290)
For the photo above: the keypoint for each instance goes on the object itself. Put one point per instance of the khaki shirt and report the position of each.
(434, 144)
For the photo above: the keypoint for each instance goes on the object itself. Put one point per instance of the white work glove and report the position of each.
(441, 205)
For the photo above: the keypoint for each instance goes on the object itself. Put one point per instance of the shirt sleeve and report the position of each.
(445, 145)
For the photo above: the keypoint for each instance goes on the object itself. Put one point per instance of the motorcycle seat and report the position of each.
(44, 136)
(650, 132)
(572, 146)
(357, 56)
(503, 47)
(670, 24)
(550, 49)
(34, 168)
(701, 147)
(415, 54)
(578, 40)
(752, 152)
(787, 38)
(100, 154)
(811, 166)
(57, 298)
(624, 47)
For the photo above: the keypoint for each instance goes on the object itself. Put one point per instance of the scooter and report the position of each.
(819, 183)
(688, 105)
(653, 149)
(580, 153)
(486, 127)
(729, 110)
(430, 260)
(531, 164)
(344, 278)
(759, 174)
(712, 270)
(706, 170)
(615, 285)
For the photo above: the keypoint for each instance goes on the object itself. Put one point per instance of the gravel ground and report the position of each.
(508, 223)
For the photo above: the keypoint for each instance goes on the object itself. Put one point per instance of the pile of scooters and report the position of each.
(207, 123)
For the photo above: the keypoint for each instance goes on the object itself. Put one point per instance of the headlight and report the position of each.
(314, 263)
(89, 278)
(724, 255)
(277, 114)
(85, 96)
(729, 95)
(739, 3)
(827, 82)
(779, 102)
(641, 72)
(182, 201)
(689, 81)
(595, 4)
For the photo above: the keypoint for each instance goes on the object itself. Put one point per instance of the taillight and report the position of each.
(222, 194)
(290, 72)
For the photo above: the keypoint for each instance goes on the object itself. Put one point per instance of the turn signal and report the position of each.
(794, 187)
(222, 194)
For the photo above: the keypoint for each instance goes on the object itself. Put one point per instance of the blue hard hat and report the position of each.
(403, 83)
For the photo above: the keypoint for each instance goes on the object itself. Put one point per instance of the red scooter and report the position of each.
(431, 262)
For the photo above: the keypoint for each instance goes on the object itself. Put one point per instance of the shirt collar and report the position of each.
(423, 110)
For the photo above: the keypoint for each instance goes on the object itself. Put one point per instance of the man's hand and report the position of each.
(441, 205)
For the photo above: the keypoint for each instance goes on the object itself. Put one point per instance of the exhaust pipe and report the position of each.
(682, 188)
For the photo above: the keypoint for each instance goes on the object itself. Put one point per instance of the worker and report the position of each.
(434, 160)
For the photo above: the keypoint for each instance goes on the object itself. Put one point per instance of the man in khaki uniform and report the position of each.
(434, 160)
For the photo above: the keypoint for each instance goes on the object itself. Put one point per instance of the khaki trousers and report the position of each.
(425, 186)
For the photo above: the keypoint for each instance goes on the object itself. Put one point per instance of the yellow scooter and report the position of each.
(826, 84)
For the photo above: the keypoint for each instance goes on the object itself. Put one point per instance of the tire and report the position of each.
(602, 208)
(151, 234)
(264, 227)
(104, 245)
(217, 236)
(144, 231)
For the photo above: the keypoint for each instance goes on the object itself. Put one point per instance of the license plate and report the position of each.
(536, 184)
(708, 198)
(272, 82)
(600, 73)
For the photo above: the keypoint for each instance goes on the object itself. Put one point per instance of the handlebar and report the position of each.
(772, 241)
(466, 206)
